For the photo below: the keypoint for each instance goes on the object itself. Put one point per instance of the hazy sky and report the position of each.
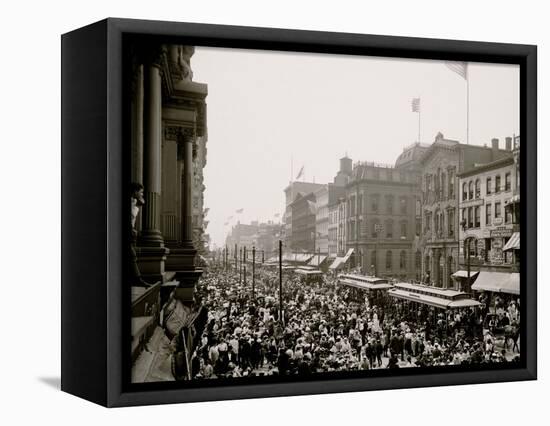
(268, 108)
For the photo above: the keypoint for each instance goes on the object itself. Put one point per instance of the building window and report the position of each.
(360, 204)
(403, 205)
(507, 214)
(497, 184)
(418, 227)
(470, 217)
(451, 184)
(477, 223)
(498, 212)
(488, 214)
(418, 260)
(478, 188)
(507, 182)
(403, 260)
(471, 190)
(464, 192)
(352, 205)
(373, 260)
(488, 188)
(374, 230)
(404, 230)
(443, 185)
(451, 222)
(427, 222)
(374, 202)
(389, 229)
(388, 260)
(389, 204)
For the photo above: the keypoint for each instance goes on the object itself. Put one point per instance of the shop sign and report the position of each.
(501, 233)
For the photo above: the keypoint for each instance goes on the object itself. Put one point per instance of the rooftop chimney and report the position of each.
(494, 144)
(508, 143)
(346, 165)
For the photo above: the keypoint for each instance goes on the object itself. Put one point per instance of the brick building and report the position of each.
(441, 164)
(489, 227)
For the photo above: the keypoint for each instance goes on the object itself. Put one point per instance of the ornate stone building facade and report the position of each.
(168, 148)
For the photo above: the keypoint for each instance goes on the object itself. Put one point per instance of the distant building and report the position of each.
(303, 213)
(321, 220)
(441, 164)
(291, 192)
(336, 243)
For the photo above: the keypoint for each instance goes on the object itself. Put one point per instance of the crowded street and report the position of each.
(324, 329)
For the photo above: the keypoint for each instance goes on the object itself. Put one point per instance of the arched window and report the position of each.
(389, 260)
(443, 185)
(403, 260)
(464, 192)
(471, 190)
(478, 188)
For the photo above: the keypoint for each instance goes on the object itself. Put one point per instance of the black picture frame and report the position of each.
(93, 167)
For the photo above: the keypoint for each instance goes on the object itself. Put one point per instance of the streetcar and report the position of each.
(374, 289)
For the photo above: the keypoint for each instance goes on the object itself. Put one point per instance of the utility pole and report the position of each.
(244, 266)
(253, 269)
(240, 264)
(281, 281)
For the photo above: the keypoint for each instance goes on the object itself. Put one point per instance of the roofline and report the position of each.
(501, 162)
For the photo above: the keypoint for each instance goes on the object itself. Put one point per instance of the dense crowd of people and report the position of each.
(328, 327)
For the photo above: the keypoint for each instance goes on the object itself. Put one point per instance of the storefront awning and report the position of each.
(348, 255)
(317, 260)
(336, 263)
(499, 282)
(513, 242)
(464, 274)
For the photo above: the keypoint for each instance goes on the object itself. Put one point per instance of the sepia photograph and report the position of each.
(293, 215)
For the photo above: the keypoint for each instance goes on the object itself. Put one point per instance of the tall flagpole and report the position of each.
(467, 107)
(419, 112)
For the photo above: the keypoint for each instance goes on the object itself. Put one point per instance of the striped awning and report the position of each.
(513, 242)
(499, 282)
(317, 260)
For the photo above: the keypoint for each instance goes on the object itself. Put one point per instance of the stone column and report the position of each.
(151, 235)
(152, 253)
(187, 140)
(184, 257)
(137, 131)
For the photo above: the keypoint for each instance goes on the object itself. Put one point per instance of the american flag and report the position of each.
(461, 68)
(300, 173)
(415, 104)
